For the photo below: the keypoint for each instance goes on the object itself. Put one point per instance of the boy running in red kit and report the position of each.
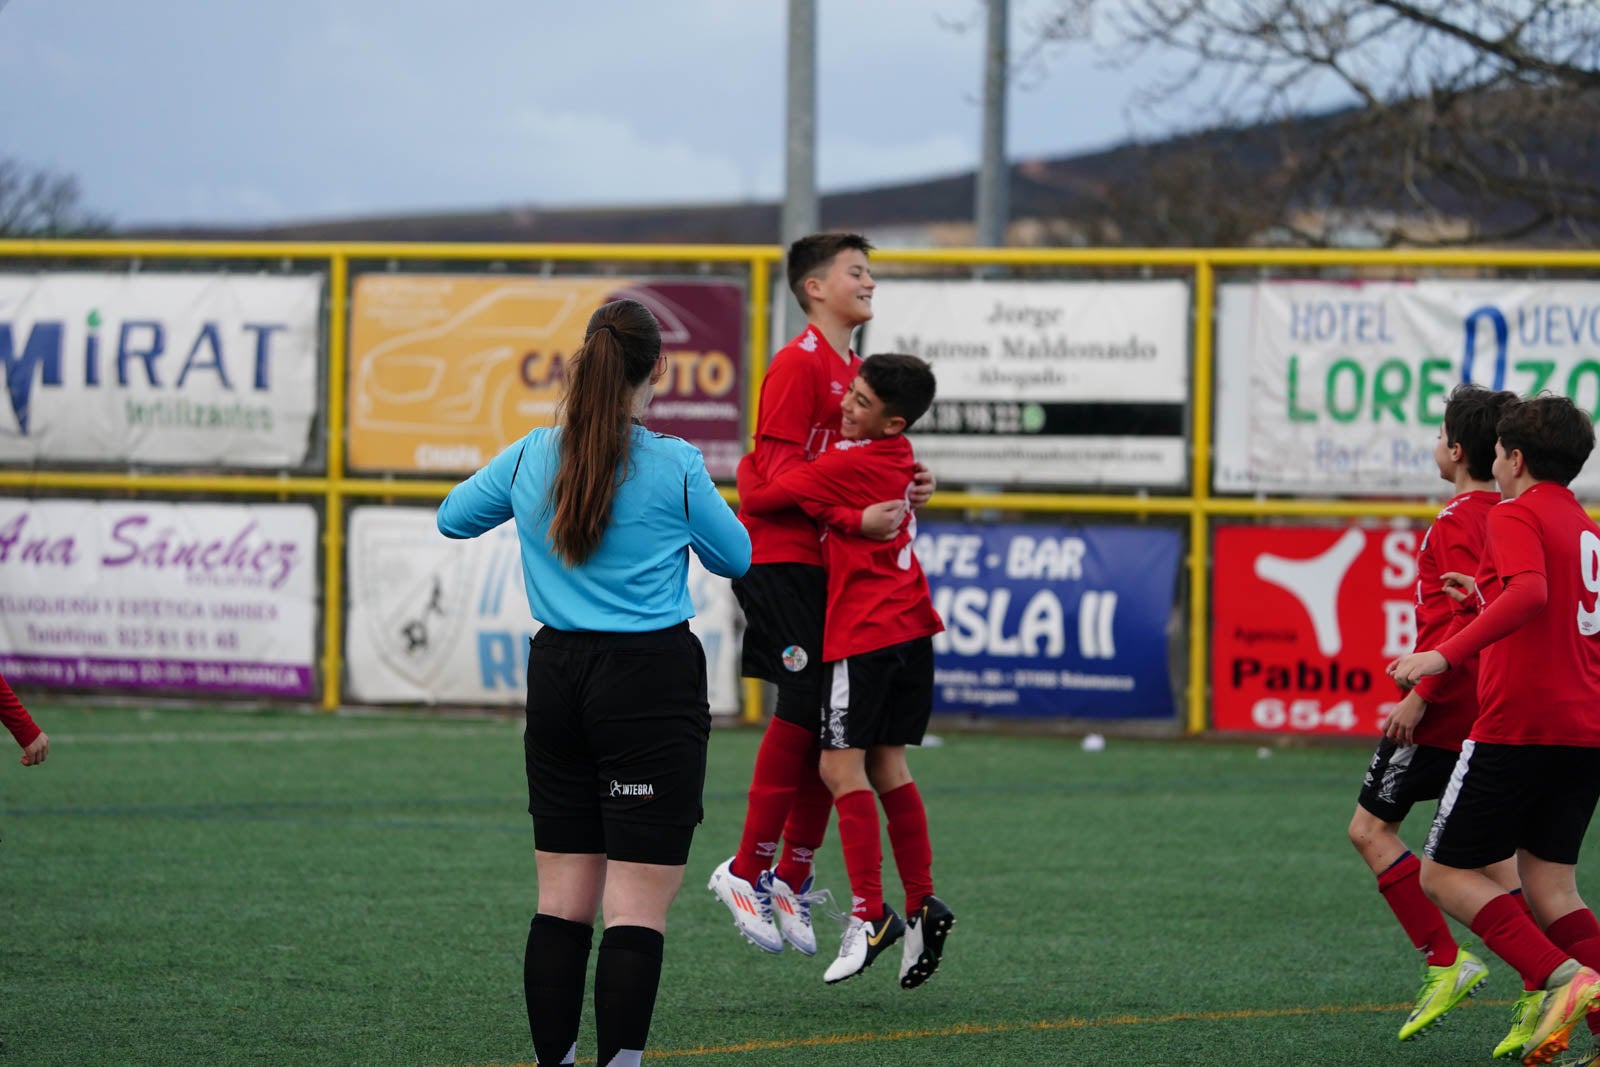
(1423, 735)
(878, 675)
(784, 595)
(1529, 773)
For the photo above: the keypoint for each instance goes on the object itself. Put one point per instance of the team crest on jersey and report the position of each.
(795, 659)
(808, 341)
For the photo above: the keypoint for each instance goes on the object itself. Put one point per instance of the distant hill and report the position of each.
(1219, 187)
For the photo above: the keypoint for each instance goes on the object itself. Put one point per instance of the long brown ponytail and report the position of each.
(620, 349)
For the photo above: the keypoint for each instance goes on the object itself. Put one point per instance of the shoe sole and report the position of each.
(1559, 1039)
(1471, 992)
(712, 885)
(870, 959)
(932, 951)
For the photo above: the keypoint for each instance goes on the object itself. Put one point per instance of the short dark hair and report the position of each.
(810, 255)
(904, 383)
(1553, 434)
(1470, 418)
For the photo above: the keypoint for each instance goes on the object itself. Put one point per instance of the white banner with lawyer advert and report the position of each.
(439, 621)
(187, 369)
(1339, 387)
(1046, 383)
(202, 599)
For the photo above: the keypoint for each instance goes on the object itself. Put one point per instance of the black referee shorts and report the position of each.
(616, 742)
(784, 605)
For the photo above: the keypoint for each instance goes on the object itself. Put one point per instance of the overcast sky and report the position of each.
(234, 111)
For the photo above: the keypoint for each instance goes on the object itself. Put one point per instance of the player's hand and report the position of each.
(923, 483)
(1458, 586)
(37, 750)
(1408, 670)
(882, 521)
(1401, 725)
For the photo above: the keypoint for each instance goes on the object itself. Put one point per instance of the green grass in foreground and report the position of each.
(197, 887)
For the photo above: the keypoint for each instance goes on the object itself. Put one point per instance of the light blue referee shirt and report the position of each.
(637, 577)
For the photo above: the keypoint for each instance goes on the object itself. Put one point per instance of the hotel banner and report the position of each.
(1338, 388)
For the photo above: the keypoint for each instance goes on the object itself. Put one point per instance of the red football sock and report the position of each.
(786, 754)
(860, 837)
(908, 838)
(1522, 899)
(1420, 917)
(806, 827)
(1577, 933)
(1515, 938)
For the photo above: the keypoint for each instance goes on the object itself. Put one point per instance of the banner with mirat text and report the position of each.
(1046, 383)
(1339, 388)
(439, 621)
(199, 599)
(1052, 620)
(447, 370)
(192, 370)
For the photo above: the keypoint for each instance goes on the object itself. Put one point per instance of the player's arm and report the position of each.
(715, 533)
(483, 501)
(35, 743)
(1454, 552)
(1518, 555)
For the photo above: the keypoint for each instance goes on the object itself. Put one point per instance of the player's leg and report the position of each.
(1549, 863)
(651, 756)
(783, 606)
(1398, 777)
(851, 717)
(1493, 797)
(810, 807)
(569, 847)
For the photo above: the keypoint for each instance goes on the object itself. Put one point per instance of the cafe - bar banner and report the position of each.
(1338, 388)
(198, 599)
(447, 370)
(1046, 383)
(194, 370)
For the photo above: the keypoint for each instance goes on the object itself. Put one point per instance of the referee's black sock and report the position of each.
(625, 980)
(553, 974)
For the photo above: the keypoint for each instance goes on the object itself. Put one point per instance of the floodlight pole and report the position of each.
(993, 209)
(800, 144)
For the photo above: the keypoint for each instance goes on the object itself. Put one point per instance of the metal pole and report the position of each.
(993, 209)
(800, 146)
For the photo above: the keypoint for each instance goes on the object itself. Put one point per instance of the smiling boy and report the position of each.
(878, 670)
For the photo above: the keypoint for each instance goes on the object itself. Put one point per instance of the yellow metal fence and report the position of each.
(336, 486)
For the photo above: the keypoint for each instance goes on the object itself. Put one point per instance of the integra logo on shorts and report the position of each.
(632, 789)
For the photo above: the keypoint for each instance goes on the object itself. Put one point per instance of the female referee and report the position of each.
(618, 718)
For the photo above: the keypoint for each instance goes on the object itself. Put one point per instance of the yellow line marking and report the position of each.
(982, 1029)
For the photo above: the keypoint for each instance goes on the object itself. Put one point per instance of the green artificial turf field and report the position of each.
(191, 886)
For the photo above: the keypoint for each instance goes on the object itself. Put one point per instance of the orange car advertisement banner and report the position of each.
(447, 370)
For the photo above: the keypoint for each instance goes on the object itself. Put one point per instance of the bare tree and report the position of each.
(1466, 121)
(40, 203)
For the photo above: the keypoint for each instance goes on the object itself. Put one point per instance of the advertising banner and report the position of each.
(446, 371)
(1046, 383)
(1339, 387)
(438, 621)
(202, 599)
(1050, 620)
(1306, 618)
(195, 370)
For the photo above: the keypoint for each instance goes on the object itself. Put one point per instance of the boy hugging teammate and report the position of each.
(877, 682)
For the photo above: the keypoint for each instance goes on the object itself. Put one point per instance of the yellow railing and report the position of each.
(336, 486)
